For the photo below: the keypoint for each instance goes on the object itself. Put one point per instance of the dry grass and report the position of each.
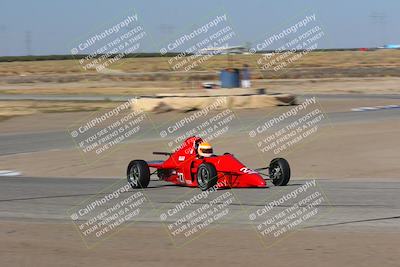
(338, 59)
(65, 77)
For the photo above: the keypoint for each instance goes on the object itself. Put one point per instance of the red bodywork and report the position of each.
(181, 168)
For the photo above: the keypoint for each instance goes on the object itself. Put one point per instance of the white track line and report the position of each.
(9, 173)
(375, 108)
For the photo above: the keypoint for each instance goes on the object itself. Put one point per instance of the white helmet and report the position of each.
(205, 150)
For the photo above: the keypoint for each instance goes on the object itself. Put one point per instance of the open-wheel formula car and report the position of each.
(194, 164)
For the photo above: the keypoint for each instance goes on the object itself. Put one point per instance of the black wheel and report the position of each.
(279, 171)
(206, 176)
(138, 174)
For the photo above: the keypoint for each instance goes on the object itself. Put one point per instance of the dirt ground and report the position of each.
(50, 244)
(375, 85)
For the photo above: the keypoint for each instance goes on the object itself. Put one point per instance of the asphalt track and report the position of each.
(348, 205)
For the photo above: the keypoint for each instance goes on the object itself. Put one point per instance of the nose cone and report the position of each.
(251, 180)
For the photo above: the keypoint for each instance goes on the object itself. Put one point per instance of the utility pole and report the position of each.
(28, 43)
(3, 44)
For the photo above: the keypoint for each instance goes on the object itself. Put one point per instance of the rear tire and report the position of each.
(207, 176)
(138, 174)
(279, 171)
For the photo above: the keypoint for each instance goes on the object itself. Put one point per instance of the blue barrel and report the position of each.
(230, 78)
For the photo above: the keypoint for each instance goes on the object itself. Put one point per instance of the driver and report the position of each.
(205, 150)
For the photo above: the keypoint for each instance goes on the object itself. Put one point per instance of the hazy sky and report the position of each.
(56, 26)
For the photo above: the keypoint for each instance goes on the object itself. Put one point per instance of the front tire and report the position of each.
(279, 171)
(206, 176)
(138, 174)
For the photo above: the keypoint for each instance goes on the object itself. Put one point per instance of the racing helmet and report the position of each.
(205, 150)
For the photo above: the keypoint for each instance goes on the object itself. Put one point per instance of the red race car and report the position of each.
(194, 164)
